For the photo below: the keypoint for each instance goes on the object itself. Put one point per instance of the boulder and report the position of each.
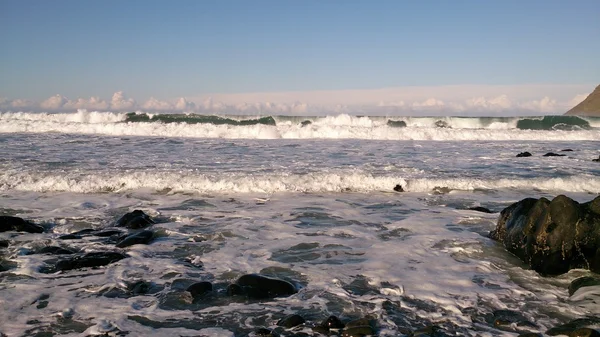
(552, 237)
(291, 321)
(142, 237)
(524, 154)
(86, 260)
(552, 154)
(135, 220)
(585, 281)
(398, 188)
(13, 223)
(596, 160)
(260, 287)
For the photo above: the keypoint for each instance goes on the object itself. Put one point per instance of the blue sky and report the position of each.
(169, 49)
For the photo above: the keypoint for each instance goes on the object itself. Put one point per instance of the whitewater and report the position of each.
(308, 199)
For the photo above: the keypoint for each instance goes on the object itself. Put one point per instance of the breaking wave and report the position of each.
(304, 127)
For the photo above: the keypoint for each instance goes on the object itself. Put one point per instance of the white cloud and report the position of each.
(53, 103)
(119, 102)
(448, 100)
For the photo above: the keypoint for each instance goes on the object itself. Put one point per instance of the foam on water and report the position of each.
(329, 127)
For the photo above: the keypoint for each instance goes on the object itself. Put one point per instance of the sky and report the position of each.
(298, 56)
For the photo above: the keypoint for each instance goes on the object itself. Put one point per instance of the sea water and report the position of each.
(306, 199)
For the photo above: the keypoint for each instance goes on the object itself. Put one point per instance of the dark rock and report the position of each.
(552, 154)
(584, 332)
(552, 237)
(234, 289)
(398, 188)
(358, 331)
(531, 334)
(4, 243)
(7, 265)
(291, 321)
(568, 328)
(261, 287)
(135, 220)
(431, 330)
(199, 288)
(264, 332)
(108, 233)
(55, 250)
(581, 282)
(305, 123)
(596, 160)
(71, 236)
(87, 260)
(13, 223)
(524, 154)
(143, 237)
(480, 209)
(567, 150)
(332, 322)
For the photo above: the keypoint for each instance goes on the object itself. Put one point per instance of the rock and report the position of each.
(55, 250)
(7, 265)
(596, 160)
(566, 150)
(71, 236)
(552, 154)
(13, 223)
(261, 287)
(358, 331)
(426, 331)
(531, 334)
(143, 237)
(135, 220)
(480, 209)
(264, 332)
(572, 326)
(332, 322)
(396, 124)
(398, 188)
(524, 154)
(584, 332)
(552, 237)
(305, 123)
(291, 321)
(199, 288)
(581, 282)
(107, 233)
(4, 243)
(86, 260)
(589, 106)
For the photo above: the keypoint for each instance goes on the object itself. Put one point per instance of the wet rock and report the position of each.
(4, 243)
(7, 265)
(396, 124)
(264, 332)
(87, 260)
(199, 288)
(597, 159)
(552, 237)
(398, 188)
(572, 326)
(524, 154)
(531, 334)
(291, 321)
(581, 282)
(552, 154)
(480, 209)
(13, 223)
(135, 220)
(107, 233)
(584, 332)
(358, 331)
(566, 150)
(261, 287)
(431, 331)
(139, 238)
(332, 322)
(55, 250)
(305, 123)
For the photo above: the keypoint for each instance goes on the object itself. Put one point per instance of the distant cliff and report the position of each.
(589, 107)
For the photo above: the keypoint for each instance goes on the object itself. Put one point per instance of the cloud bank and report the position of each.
(442, 100)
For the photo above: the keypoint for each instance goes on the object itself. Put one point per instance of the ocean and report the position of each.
(307, 199)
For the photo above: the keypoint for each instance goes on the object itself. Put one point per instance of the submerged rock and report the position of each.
(552, 237)
(524, 154)
(575, 325)
(291, 321)
(87, 260)
(552, 154)
(13, 223)
(586, 281)
(135, 220)
(55, 250)
(480, 209)
(199, 288)
(143, 237)
(398, 188)
(261, 287)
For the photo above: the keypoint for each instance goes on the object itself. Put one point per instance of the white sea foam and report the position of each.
(330, 127)
(274, 183)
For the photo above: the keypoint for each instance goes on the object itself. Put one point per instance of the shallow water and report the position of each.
(320, 213)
